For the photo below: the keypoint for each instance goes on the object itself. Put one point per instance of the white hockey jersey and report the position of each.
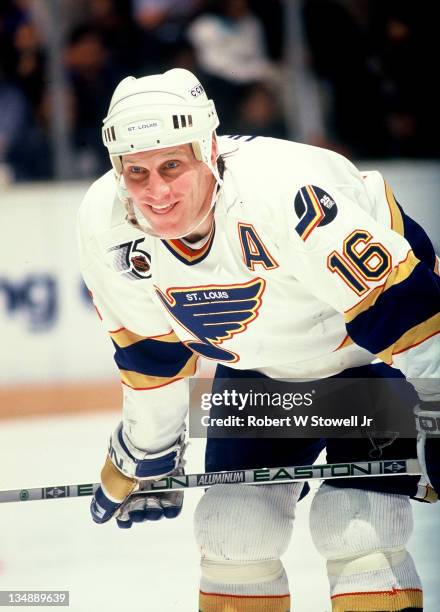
(311, 267)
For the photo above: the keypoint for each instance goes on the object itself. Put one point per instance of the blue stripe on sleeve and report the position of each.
(152, 357)
(397, 310)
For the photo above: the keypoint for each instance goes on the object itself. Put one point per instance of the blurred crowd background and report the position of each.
(356, 76)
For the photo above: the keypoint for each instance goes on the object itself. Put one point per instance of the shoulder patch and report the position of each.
(315, 208)
(131, 261)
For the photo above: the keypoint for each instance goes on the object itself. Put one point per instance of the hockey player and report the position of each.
(274, 259)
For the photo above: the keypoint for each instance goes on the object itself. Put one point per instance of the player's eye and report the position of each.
(136, 170)
(171, 165)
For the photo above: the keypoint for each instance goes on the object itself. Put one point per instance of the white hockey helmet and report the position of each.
(157, 111)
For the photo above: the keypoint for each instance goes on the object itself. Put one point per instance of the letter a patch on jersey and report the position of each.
(315, 208)
(253, 249)
(214, 313)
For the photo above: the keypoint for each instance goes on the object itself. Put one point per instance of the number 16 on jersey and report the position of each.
(361, 260)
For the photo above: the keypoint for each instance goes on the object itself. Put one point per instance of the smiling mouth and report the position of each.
(163, 209)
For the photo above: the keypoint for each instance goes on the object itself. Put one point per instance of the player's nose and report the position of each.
(157, 187)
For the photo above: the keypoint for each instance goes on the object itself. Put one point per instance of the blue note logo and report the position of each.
(315, 208)
(214, 314)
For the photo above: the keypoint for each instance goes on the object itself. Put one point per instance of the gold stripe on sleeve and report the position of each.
(396, 215)
(124, 337)
(414, 336)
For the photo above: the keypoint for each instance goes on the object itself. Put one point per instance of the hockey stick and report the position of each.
(328, 471)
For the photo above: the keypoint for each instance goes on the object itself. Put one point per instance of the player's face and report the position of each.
(171, 189)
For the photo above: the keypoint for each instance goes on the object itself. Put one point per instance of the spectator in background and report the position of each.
(375, 60)
(30, 63)
(13, 122)
(92, 78)
(30, 72)
(161, 26)
(230, 53)
(402, 38)
(338, 46)
(24, 152)
(113, 20)
(260, 113)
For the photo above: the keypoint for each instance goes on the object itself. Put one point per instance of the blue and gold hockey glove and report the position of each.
(428, 441)
(139, 508)
(125, 469)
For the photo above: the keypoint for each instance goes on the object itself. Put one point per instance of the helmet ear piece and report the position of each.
(117, 163)
(197, 151)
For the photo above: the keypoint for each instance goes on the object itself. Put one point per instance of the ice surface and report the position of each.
(152, 567)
